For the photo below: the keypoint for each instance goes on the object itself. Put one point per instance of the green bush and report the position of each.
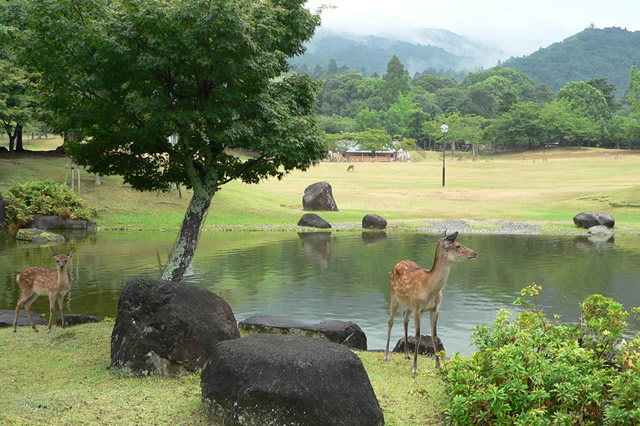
(43, 198)
(531, 370)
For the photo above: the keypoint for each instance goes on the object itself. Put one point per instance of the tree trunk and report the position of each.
(185, 246)
(97, 179)
(19, 147)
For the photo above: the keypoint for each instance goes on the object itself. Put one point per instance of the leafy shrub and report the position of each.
(43, 198)
(531, 370)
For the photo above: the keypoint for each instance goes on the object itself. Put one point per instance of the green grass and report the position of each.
(64, 378)
(509, 188)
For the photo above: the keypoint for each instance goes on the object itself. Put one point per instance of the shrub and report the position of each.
(531, 370)
(43, 198)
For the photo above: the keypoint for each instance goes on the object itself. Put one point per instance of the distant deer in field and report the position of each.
(419, 290)
(37, 281)
(351, 168)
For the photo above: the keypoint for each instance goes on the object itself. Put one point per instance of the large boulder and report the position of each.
(38, 236)
(167, 328)
(285, 379)
(606, 219)
(342, 332)
(312, 220)
(55, 222)
(76, 319)
(373, 221)
(588, 220)
(319, 197)
(425, 347)
(6, 318)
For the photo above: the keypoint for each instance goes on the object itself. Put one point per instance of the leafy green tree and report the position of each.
(432, 83)
(132, 73)
(450, 97)
(586, 99)
(633, 92)
(16, 102)
(404, 117)
(373, 140)
(608, 90)
(337, 124)
(621, 130)
(560, 121)
(396, 80)
(368, 119)
(478, 101)
(519, 125)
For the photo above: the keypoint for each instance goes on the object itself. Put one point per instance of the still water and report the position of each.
(343, 276)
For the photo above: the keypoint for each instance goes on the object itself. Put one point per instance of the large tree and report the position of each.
(130, 74)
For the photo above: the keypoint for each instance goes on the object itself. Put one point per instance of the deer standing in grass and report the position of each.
(37, 281)
(419, 290)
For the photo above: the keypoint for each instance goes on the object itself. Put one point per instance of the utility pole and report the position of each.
(444, 128)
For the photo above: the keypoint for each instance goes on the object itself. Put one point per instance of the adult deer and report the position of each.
(36, 281)
(419, 290)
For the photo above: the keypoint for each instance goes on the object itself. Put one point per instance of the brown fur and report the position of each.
(37, 281)
(419, 290)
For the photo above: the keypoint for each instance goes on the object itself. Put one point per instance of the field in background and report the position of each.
(522, 186)
(49, 143)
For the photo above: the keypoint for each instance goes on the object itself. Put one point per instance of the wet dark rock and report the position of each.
(373, 221)
(312, 220)
(588, 220)
(76, 319)
(56, 222)
(319, 196)
(342, 332)
(167, 328)
(38, 236)
(6, 318)
(285, 379)
(425, 348)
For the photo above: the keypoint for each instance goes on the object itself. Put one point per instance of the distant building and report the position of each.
(353, 154)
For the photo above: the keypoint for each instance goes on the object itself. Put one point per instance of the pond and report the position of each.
(341, 275)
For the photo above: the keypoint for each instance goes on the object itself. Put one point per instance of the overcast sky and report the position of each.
(519, 27)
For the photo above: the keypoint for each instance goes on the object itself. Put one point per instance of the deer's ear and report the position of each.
(451, 238)
(54, 253)
(70, 254)
(444, 234)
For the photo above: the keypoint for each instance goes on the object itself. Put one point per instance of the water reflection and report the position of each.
(372, 237)
(343, 276)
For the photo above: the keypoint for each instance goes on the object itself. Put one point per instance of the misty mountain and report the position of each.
(417, 50)
(592, 53)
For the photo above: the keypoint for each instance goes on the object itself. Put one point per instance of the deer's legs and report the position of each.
(52, 309)
(61, 306)
(434, 335)
(417, 318)
(18, 305)
(407, 314)
(27, 307)
(392, 314)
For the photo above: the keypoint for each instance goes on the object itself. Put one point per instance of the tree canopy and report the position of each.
(130, 74)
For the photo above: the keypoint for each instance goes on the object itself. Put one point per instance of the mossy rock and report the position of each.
(38, 236)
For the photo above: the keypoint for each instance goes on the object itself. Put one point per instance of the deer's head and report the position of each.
(453, 250)
(62, 259)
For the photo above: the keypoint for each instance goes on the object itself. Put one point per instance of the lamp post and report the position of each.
(444, 128)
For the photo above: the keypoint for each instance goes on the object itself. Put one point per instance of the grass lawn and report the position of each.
(64, 378)
(508, 188)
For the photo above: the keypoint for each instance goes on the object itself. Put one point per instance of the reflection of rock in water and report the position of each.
(597, 241)
(372, 237)
(317, 246)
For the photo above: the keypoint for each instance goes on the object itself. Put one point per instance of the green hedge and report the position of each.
(46, 197)
(532, 370)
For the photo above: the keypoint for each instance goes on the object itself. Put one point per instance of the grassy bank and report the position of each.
(508, 188)
(64, 378)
